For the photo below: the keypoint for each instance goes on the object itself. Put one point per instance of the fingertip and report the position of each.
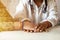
(28, 30)
(40, 30)
(31, 31)
(24, 30)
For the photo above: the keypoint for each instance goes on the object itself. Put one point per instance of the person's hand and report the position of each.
(43, 26)
(28, 26)
(17, 25)
(40, 28)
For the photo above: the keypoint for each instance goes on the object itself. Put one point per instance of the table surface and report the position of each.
(53, 34)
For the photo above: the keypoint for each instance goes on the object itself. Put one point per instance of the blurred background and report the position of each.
(10, 6)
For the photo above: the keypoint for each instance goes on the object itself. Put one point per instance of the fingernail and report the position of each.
(25, 30)
(31, 31)
(40, 30)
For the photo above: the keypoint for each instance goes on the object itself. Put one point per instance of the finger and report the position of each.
(31, 31)
(36, 27)
(37, 30)
(44, 29)
(28, 30)
(40, 29)
(25, 30)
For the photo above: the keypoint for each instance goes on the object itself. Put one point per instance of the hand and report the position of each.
(43, 26)
(17, 25)
(40, 28)
(28, 26)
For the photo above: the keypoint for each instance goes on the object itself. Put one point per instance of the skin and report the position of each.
(38, 2)
(31, 27)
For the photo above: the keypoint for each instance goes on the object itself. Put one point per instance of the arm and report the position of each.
(22, 16)
(53, 15)
(21, 12)
(51, 20)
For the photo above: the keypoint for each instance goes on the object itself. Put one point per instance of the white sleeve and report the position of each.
(53, 17)
(21, 10)
(19, 7)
